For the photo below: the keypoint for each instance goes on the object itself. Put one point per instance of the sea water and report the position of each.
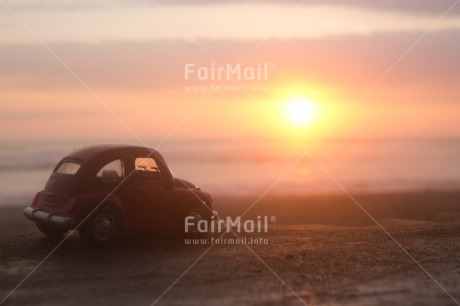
(229, 167)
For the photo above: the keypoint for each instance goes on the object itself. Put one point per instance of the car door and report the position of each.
(153, 196)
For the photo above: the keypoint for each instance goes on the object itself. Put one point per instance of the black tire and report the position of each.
(199, 213)
(51, 231)
(101, 228)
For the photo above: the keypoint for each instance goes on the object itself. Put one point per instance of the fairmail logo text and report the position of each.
(214, 72)
(259, 225)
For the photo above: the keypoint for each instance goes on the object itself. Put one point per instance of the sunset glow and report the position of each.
(312, 130)
(316, 70)
(300, 111)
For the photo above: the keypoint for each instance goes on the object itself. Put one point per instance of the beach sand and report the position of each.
(322, 250)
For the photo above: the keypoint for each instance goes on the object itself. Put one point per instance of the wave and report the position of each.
(22, 167)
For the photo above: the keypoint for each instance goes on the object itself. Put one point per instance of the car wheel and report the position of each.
(101, 228)
(198, 213)
(51, 231)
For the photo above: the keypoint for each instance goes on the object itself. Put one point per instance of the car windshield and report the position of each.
(68, 168)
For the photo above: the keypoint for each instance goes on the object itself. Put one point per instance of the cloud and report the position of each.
(214, 22)
(351, 63)
(420, 6)
(46, 115)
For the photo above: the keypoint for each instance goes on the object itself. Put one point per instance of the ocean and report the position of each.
(252, 168)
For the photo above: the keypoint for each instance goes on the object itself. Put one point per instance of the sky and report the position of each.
(116, 69)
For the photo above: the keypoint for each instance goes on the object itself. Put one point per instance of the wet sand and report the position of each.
(332, 264)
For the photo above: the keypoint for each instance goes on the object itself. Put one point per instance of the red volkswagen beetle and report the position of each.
(105, 189)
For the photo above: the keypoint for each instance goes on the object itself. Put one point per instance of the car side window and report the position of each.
(111, 173)
(147, 169)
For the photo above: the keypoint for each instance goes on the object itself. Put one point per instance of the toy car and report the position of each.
(102, 190)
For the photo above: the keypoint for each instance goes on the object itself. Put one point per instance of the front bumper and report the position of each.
(41, 216)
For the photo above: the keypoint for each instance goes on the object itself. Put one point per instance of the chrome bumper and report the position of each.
(40, 216)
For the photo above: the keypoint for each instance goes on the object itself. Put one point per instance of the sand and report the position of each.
(350, 262)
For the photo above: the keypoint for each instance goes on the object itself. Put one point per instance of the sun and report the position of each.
(300, 111)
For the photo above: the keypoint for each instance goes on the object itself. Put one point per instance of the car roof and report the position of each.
(100, 150)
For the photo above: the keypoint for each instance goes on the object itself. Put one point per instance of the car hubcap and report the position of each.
(103, 226)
